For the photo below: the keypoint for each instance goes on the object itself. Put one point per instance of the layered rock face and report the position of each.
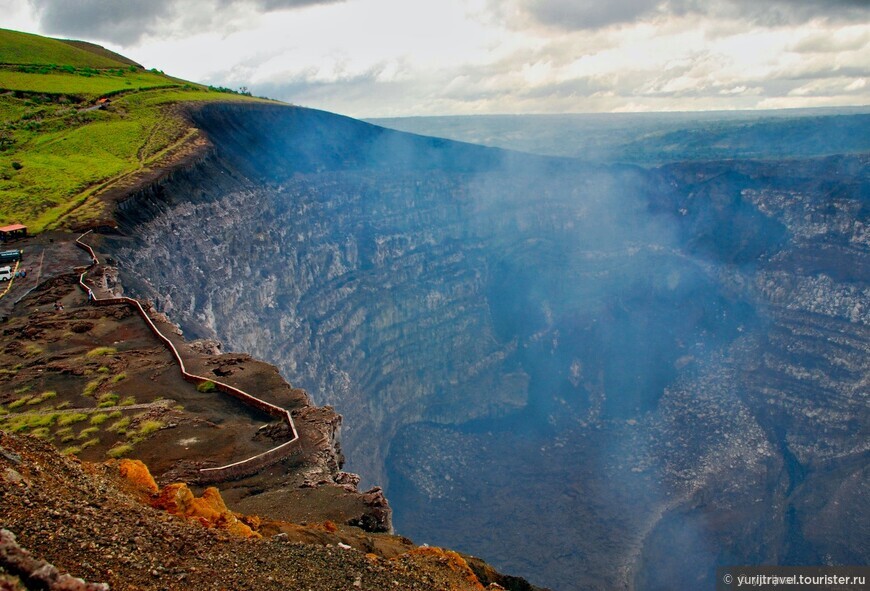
(596, 374)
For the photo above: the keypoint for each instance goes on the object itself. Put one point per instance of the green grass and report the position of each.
(108, 399)
(18, 403)
(119, 451)
(120, 426)
(24, 48)
(33, 349)
(119, 377)
(28, 422)
(149, 427)
(85, 433)
(48, 395)
(87, 87)
(71, 450)
(206, 387)
(56, 157)
(128, 401)
(92, 386)
(100, 351)
(99, 418)
(71, 418)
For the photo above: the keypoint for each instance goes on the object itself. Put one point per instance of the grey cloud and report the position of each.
(789, 12)
(125, 22)
(104, 20)
(592, 14)
(822, 43)
(588, 14)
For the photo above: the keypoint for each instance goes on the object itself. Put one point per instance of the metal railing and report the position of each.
(238, 469)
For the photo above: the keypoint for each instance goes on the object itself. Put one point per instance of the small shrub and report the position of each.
(71, 451)
(17, 165)
(128, 401)
(103, 369)
(67, 438)
(115, 414)
(119, 451)
(119, 377)
(63, 405)
(206, 387)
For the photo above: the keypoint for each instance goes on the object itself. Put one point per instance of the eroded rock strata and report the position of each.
(675, 359)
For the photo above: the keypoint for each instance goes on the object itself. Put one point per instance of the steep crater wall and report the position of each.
(513, 335)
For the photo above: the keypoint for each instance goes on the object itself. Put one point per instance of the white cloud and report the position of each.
(394, 57)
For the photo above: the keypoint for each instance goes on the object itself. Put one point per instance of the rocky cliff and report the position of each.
(675, 358)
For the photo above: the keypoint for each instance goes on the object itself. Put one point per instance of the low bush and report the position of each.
(206, 387)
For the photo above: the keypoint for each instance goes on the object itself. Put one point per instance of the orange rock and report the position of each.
(209, 510)
(252, 521)
(174, 498)
(451, 560)
(137, 474)
(330, 526)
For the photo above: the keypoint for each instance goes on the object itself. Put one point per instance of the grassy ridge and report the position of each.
(25, 48)
(58, 151)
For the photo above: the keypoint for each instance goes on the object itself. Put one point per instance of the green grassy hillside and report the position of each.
(25, 48)
(61, 149)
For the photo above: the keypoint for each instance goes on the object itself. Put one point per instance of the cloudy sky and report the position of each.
(369, 58)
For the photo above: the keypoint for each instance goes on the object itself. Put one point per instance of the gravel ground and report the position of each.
(78, 517)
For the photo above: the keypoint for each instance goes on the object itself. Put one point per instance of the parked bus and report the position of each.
(10, 256)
